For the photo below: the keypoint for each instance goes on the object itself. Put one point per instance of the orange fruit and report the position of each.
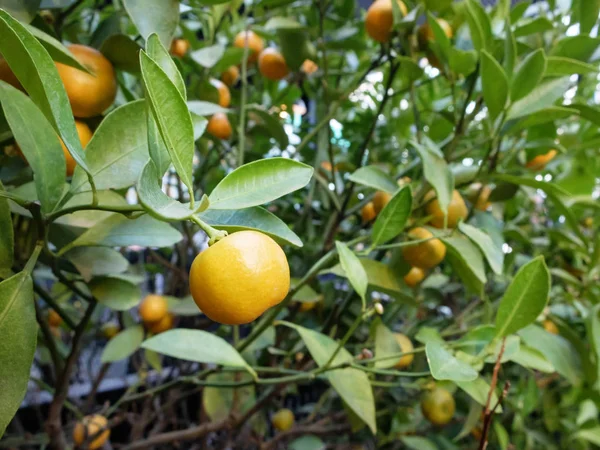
(414, 276)
(425, 32)
(164, 324)
(540, 161)
(380, 19)
(54, 320)
(406, 346)
(88, 427)
(326, 165)
(7, 75)
(153, 308)
(85, 135)
(238, 278)
(307, 306)
(89, 95)
(272, 65)
(425, 255)
(380, 200)
(457, 209)
(480, 196)
(230, 76)
(309, 67)
(438, 406)
(179, 47)
(219, 126)
(550, 326)
(283, 419)
(368, 212)
(224, 94)
(254, 42)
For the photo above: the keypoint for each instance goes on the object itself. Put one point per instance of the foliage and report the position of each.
(484, 118)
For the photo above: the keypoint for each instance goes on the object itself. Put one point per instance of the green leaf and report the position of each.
(557, 350)
(273, 125)
(352, 267)
(183, 307)
(479, 25)
(220, 402)
(510, 50)
(493, 254)
(436, 171)
(478, 390)
(586, 13)
(36, 71)
(536, 25)
(525, 298)
(374, 177)
(208, 56)
(204, 109)
(548, 188)
(559, 66)
(118, 150)
(123, 345)
(385, 345)
(122, 52)
(18, 328)
(444, 366)
(255, 218)
(467, 262)
(308, 442)
(591, 435)
(89, 218)
(542, 116)
(580, 47)
(119, 231)
(97, 261)
(352, 385)
(160, 55)
(495, 84)
(6, 237)
(172, 117)
(463, 62)
(392, 219)
(232, 56)
(159, 204)
(409, 69)
(154, 16)
(277, 22)
(115, 293)
(295, 46)
(532, 359)
(418, 443)
(156, 146)
(259, 182)
(23, 10)
(58, 52)
(543, 96)
(38, 143)
(183, 344)
(528, 75)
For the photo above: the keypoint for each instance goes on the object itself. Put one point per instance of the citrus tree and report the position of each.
(300, 224)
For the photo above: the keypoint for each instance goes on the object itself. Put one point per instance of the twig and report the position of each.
(488, 412)
(49, 340)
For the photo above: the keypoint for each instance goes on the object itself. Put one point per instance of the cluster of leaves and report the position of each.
(466, 112)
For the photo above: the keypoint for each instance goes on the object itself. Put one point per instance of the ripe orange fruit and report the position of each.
(255, 44)
(241, 276)
(219, 126)
(7, 75)
(85, 135)
(406, 346)
(230, 76)
(90, 426)
(110, 330)
(457, 209)
(54, 320)
(380, 200)
(272, 65)
(438, 406)
(326, 165)
(224, 94)
(179, 47)
(380, 19)
(153, 308)
(89, 95)
(309, 67)
(425, 32)
(368, 212)
(550, 326)
(307, 306)
(540, 161)
(425, 255)
(283, 419)
(414, 276)
(164, 324)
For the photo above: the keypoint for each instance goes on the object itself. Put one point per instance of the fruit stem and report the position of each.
(213, 234)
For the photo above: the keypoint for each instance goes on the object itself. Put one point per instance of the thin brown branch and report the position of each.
(487, 418)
